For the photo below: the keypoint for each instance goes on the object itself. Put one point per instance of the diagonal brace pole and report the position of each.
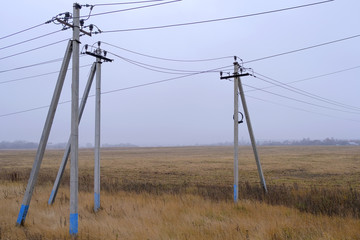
(68, 145)
(251, 133)
(44, 137)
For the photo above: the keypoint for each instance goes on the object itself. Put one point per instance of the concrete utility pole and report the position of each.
(236, 132)
(44, 138)
(74, 123)
(97, 134)
(238, 86)
(68, 145)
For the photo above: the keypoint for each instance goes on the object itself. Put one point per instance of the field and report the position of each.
(186, 193)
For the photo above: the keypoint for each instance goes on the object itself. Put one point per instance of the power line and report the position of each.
(130, 9)
(124, 3)
(324, 75)
(162, 81)
(301, 101)
(214, 20)
(167, 59)
(155, 68)
(21, 31)
(39, 75)
(314, 77)
(120, 89)
(37, 48)
(300, 109)
(32, 65)
(31, 39)
(305, 48)
(305, 93)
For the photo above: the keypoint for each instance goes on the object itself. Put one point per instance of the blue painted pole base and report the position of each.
(51, 198)
(74, 223)
(235, 193)
(22, 215)
(96, 201)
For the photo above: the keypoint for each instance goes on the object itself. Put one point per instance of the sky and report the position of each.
(195, 109)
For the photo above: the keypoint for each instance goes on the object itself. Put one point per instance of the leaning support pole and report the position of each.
(251, 133)
(68, 145)
(97, 137)
(73, 226)
(44, 137)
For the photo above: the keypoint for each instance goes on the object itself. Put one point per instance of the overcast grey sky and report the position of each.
(196, 109)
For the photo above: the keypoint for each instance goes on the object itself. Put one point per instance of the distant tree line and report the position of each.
(310, 142)
(303, 142)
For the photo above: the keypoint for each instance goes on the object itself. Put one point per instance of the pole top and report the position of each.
(77, 6)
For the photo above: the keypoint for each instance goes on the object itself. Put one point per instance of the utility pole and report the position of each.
(44, 137)
(100, 56)
(68, 145)
(97, 133)
(238, 88)
(74, 217)
(236, 132)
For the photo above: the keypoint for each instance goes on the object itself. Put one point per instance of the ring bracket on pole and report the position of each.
(242, 118)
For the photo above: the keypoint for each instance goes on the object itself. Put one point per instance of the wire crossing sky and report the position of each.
(167, 80)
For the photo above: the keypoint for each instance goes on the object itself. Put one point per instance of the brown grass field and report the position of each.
(186, 193)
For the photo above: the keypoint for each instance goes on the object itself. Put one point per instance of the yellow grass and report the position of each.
(126, 214)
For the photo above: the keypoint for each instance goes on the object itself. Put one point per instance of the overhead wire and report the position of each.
(167, 59)
(32, 65)
(31, 39)
(313, 77)
(24, 30)
(155, 68)
(304, 93)
(121, 89)
(301, 101)
(305, 48)
(34, 49)
(300, 109)
(130, 9)
(215, 20)
(38, 75)
(124, 3)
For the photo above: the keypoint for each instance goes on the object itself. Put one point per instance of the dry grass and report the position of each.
(185, 193)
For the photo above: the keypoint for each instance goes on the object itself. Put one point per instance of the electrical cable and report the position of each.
(167, 59)
(314, 77)
(305, 93)
(302, 49)
(153, 68)
(300, 109)
(301, 101)
(123, 3)
(32, 65)
(120, 89)
(130, 9)
(21, 31)
(214, 20)
(31, 39)
(162, 81)
(37, 48)
(39, 75)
